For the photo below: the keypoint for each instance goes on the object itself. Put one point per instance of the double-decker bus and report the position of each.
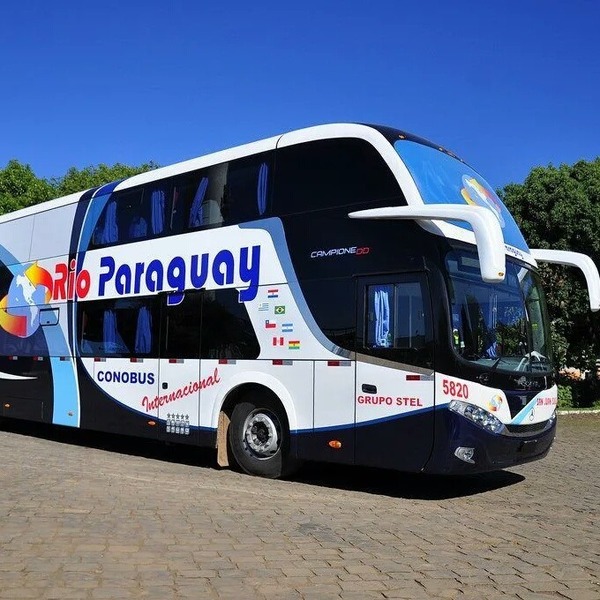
(343, 293)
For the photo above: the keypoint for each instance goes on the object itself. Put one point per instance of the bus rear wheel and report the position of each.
(259, 438)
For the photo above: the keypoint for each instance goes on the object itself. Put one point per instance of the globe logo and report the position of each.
(495, 403)
(476, 194)
(19, 309)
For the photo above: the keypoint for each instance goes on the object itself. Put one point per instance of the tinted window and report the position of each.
(331, 302)
(330, 173)
(223, 194)
(395, 316)
(181, 337)
(395, 320)
(246, 193)
(121, 327)
(226, 329)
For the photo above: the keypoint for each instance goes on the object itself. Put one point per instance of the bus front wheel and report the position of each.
(259, 438)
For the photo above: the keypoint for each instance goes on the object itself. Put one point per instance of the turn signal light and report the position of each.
(152, 423)
(335, 444)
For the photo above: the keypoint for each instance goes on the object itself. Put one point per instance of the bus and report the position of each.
(343, 293)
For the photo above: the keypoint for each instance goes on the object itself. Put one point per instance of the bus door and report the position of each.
(394, 393)
(179, 367)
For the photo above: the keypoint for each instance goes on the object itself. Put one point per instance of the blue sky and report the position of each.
(506, 85)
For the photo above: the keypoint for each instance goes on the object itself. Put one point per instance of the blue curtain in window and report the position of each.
(382, 318)
(261, 191)
(157, 206)
(143, 334)
(138, 228)
(109, 330)
(196, 210)
(108, 232)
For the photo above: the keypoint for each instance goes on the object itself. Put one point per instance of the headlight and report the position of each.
(479, 416)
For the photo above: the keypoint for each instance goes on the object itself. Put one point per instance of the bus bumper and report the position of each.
(490, 451)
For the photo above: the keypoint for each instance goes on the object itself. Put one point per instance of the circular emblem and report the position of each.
(19, 313)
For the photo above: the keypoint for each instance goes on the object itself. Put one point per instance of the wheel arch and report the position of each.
(241, 385)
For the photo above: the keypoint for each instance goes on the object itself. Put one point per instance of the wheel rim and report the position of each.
(262, 434)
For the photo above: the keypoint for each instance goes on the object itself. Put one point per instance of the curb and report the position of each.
(593, 411)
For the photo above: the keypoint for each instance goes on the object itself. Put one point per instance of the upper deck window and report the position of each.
(222, 194)
(331, 173)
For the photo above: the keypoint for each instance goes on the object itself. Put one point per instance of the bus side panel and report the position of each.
(332, 436)
(403, 444)
(100, 412)
(26, 388)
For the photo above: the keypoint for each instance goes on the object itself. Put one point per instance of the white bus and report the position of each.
(343, 293)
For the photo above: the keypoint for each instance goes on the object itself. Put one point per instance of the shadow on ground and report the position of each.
(341, 477)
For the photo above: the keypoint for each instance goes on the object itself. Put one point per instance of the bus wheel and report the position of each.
(259, 438)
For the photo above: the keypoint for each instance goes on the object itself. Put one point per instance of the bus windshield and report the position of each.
(502, 326)
(442, 178)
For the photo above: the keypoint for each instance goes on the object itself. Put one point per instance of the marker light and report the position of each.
(465, 454)
(479, 416)
(335, 444)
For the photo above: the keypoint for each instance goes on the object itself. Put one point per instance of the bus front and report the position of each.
(496, 386)
(495, 389)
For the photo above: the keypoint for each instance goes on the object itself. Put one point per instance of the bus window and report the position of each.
(122, 327)
(179, 202)
(396, 318)
(231, 192)
(226, 328)
(396, 322)
(181, 337)
(331, 173)
(246, 191)
(331, 302)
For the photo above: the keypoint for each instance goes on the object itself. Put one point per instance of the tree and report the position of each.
(77, 180)
(559, 208)
(19, 187)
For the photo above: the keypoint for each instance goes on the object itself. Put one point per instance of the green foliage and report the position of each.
(559, 208)
(565, 397)
(585, 393)
(77, 180)
(20, 187)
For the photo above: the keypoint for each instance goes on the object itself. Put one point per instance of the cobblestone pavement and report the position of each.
(82, 517)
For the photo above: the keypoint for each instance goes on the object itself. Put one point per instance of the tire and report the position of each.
(259, 437)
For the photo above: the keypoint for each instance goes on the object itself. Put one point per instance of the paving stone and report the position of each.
(86, 520)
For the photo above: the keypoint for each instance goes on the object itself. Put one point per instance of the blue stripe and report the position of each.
(66, 392)
(524, 412)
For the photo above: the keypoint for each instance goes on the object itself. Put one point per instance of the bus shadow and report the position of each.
(413, 486)
(369, 480)
(114, 443)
